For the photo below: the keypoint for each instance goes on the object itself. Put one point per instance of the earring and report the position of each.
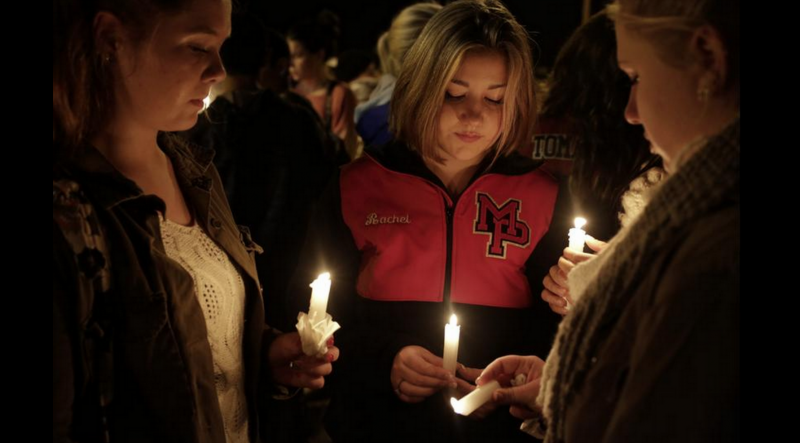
(707, 87)
(703, 94)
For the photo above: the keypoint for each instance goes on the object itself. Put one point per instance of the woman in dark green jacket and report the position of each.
(158, 317)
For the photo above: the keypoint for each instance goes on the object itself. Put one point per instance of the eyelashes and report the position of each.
(199, 50)
(459, 98)
(453, 98)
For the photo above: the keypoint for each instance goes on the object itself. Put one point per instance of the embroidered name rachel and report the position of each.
(373, 220)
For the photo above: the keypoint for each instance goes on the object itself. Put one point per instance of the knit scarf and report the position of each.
(706, 180)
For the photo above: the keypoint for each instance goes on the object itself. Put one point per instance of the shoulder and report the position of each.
(342, 95)
(704, 265)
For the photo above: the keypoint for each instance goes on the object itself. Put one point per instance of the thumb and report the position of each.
(595, 244)
(508, 396)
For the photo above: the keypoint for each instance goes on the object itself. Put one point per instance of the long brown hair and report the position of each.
(83, 80)
(434, 59)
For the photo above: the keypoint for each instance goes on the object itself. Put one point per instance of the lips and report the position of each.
(468, 137)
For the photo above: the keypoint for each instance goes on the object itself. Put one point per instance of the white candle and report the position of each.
(321, 288)
(451, 337)
(577, 236)
(475, 399)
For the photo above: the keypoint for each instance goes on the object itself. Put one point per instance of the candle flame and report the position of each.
(456, 406)
(454, 320)
(326, 276)
(580, 222)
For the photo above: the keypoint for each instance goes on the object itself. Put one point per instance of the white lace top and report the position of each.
(221, 294)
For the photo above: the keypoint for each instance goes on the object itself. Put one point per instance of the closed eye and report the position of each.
(198, 49)
(453, 98)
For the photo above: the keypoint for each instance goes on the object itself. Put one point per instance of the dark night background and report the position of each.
(550, 22)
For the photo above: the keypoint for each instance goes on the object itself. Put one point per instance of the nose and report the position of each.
(471, 112)
(632, 110)
(215, 72)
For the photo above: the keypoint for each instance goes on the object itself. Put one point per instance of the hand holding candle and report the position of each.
(556, 290)
(466, 384)
(418, 374)
(316, 327)
(522, 378)
(477, 398)
(290, 366)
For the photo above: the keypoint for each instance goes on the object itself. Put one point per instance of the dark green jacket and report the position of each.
(163, 375)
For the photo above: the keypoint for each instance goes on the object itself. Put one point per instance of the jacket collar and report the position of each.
(108, 188)
(398, 157)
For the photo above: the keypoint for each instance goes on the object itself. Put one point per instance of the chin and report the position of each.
(184, 124)
(471, 156)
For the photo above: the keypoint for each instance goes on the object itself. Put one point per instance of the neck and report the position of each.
(309, 85)
(716, 122)
(455, 174)
(719, 114)
(131, 150)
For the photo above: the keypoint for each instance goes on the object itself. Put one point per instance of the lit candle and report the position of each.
(319, 297)
(475, 399)
(577, 236)
(451, 336)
